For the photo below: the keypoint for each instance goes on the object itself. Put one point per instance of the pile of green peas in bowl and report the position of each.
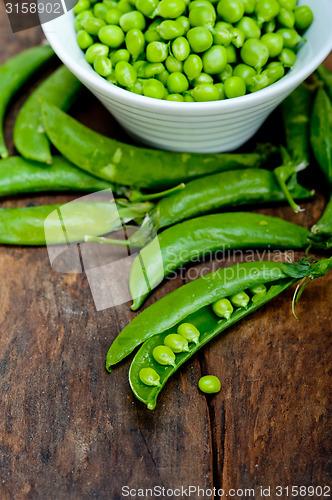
(191, 50)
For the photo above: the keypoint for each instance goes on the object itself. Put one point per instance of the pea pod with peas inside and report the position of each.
(130, 165)
(13, 74)
(61, 89)
(195, 305)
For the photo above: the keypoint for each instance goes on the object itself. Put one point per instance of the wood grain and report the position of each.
(68, 430)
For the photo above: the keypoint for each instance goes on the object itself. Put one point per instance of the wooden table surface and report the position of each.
(69, 430)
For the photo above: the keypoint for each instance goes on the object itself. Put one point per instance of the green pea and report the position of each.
(286, 18)
(173, 65)
(92, 25)
(103, 66)
(257, 82)
(288, 4)
(139, 67)
(249, 6)
(201, 16)
(274, 73)
(231, 54)
(177, 83)
(303, 17)
(176, 342)
(189, 332)
(162, 77)
(240, 299)
(120, 55)
(254, 53)
(221, 35)
(203, 78)
(274, 43)
(221, 88)
(270, 27)
(266, 10)
(152, 35)
(193, 66)
(156, 51)
(164, 355)
(223, 308)
(238, 37)
(226, 73)
(125, 6)
(112, 78)
(175, 97)
(169, 29)
(287, 57)
(110, 4)
(214, 60)
(201, 3)
(249, 27)
(125, 74)
(234, 86)
(153, 69)
(84, 39)
(132, 20)
(199, 38)
(137, 88)
(78, 20)
(244, 71)
(97, 49)
(171, 9)
(230, 10)
(209, 384)
(149, 377)
(184, 21)
(258, 290)
(181, 48)
(188, 97)
(113, 16)
(100, 10)
(291, 38)
(81, 6)
(205, 92)
(135, 42)
(153, 88)
(147, 7)
(111, 35)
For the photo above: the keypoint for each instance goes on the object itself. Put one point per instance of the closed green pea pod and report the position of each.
(181, 48)
(189, 332)
(149, 377)
(176, 342)
(215, 60)
(193, 66)
(125, 74)
(321, 133)
(164, 355)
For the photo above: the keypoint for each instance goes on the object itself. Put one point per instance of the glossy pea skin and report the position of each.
(221, 34)
(97, 49)
(170, 29)
(303, 17)
(181, 48)
(288, 4)
(201, 16)
(113, 16)
(81, 6)
(231, 54)
(92, 25)
(176, 342)
(125, 74)
(200, 39)
(153, 88)
(257, 82)
(238, 37)
(193, 66)
(188, 97)
(230, 10)
(177, 83)
(223, 308)
(156, 52)
(274, 43)
(206, 92)
(189, 332)
(234, 86)
(124, 6)
(146, 6)
(153, 69)
(258, 289)
(184, 21)
(226, 73)
(209, 384)
(249, 27)
(291, 38)
(171, 8)
(254, 53)
(287, 57)
(173, 65)
(203, 78)
(84, 39)
(103, 66)
(249, 6)
(100, 10)
(135, 42)
(164, 355)
(214, 60)
(221, 88)
(139, 67)
(120, 55)
(244, 71)
(132, 20)
(240, 299)
(175, 97)
(266, 10)
(274, 72)
(137, 88)
(151, 34)
(286, 18)
(162, 77)
(149, 376)
(111, 35)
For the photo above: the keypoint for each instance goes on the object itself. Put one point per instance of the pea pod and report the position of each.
(131, 165)
(321, 133)
(326, 76)
(61, 89)
(18, 175)
(192, 239)
(323, 228)
(193, 303)
(13, 74)
(65, 223)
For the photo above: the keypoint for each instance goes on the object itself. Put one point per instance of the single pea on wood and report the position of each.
(209, 384)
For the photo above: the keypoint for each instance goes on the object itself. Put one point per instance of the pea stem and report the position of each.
(136, 195)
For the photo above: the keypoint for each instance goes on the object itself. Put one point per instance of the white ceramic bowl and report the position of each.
(194, 127)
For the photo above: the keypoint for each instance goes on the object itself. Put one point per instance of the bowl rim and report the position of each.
(107, 89)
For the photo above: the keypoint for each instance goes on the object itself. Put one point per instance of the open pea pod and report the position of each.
(194, 304)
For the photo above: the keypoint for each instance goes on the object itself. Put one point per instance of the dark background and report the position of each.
(71, 431)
